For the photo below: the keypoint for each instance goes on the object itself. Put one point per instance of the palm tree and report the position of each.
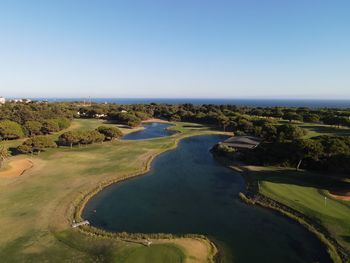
(4, 154)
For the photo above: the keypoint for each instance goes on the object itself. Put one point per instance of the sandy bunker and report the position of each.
(16, 168)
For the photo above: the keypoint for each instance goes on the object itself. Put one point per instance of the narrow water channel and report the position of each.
(150, 131)
(188, 191)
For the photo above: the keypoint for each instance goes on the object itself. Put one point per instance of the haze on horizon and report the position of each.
(185, 48)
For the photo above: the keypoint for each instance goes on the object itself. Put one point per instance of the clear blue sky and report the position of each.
(175, 48)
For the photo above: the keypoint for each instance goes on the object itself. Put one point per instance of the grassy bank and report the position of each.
(307, 193)
(300, 195)
(35, 207)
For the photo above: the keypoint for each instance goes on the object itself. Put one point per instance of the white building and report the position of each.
(2, 100)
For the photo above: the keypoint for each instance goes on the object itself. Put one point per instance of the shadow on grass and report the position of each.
(346, 238)
(302, 178)
(327, 130)
(194, 126)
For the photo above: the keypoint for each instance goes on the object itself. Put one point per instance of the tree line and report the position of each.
(34, 120)
(18, 120)
(39, 143)
(227, 117)
(322, 153)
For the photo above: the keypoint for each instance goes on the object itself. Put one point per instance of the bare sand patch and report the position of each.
(340, 195)
(197, 250)
(155, 120)
(16, 168)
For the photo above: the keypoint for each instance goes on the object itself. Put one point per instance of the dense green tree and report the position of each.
(10, 130)
(23, 148)
(50, 126)
(310, 117)
(129, 119)
(37, 144)
(142, 115)
(245, 125)
(32, 128)
(292, 116)
(69, 138)
(269, 132)
(95, 137)
(289, 132)
(308, 148)
(63, 123)
(174, 118)
(110, 132)
(333, 145)
(80, 137)
(223, 121)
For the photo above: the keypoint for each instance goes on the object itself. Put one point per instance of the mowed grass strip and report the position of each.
(157, 253)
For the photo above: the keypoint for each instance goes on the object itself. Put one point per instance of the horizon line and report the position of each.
(174, 98)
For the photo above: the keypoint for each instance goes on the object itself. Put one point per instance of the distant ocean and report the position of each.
(240, 102)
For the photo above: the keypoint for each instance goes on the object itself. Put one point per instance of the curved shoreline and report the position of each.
(336, 255)
(79, 205)
(253, 196)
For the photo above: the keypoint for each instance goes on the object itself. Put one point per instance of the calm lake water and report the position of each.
(188, 191)
(150, 131)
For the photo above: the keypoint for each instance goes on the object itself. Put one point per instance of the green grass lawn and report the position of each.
(306, 193)
(317, 129)
(157, 253)
(321, 129)
(35, 207)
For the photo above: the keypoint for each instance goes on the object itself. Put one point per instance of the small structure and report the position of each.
(148, 242)
(242, 142)
(2, 100)
(83, 223)
(99, 116)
